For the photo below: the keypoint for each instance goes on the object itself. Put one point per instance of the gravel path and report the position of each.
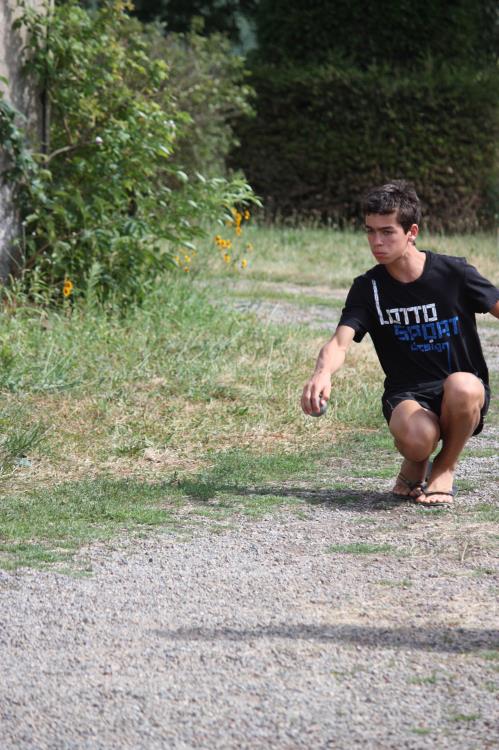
(269, 635)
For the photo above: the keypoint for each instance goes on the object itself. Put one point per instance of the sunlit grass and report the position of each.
(361, 548)
(330, 257)
(183, 390)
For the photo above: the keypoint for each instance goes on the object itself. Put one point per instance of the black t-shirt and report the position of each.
(425, 329)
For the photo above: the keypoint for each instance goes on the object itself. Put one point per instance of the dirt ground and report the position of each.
(349, 621)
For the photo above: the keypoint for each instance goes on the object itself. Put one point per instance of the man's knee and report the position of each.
(415, 431)
(416, 445)
(463, 391)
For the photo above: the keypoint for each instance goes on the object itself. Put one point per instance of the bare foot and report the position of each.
(410, 479)
(439, 490)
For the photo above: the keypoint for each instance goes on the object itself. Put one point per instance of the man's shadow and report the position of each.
(358, 500)
(437, 638)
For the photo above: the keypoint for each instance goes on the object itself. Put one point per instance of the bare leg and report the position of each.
(464, 396)
(416, 432)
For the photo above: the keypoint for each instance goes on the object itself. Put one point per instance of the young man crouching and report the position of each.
(419, 309)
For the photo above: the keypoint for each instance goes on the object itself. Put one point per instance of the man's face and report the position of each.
(387, 239)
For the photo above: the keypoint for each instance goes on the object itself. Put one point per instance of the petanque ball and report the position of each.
(322, 411)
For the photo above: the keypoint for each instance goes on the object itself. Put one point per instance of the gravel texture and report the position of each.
(258, 638)
(313, 316)
(267, 635)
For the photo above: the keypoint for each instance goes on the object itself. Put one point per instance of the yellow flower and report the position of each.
(244, 263)
(177, 259)
(228, 244)
(239, 231)
(249, 247)
(67, 288)
(226, 257)
(186, 269)
(247, 215)
(187, 258)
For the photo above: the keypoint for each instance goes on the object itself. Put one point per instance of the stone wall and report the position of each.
(21, 95)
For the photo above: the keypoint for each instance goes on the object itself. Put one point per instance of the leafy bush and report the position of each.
(220, 16)
(107, 198)
(206, 81)
(380, 32)
(323, 134)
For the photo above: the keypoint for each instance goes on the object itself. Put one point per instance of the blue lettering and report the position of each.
(429, 331)
(443, 328)
(402, 333)
(440, 329)
(436, 347)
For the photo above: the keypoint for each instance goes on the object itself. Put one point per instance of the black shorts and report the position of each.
(429, 395)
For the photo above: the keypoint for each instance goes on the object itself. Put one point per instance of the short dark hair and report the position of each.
(399, 196)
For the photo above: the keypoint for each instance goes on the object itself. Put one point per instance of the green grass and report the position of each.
(427, 680)
(492, 655)
(212, 393)
(483, 572)
(29, 555)
(311, 256)
(63, 517)
(465, 717)
(361, 548)
(493, 413)
(485, 512)
(237, 466)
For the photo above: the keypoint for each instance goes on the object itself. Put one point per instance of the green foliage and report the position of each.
(108, 198)
(350, 94)
(221, 16)
(207, 82)
(323, 134)
(20, 167)
(364, 32)
(17, 439)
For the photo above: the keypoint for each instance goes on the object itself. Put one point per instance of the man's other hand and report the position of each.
(315, 392)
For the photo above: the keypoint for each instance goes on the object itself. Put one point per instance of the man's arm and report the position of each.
(495, 310)
(330, 359)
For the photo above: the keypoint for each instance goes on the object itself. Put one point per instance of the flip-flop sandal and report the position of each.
(412, 485)
(436, 504)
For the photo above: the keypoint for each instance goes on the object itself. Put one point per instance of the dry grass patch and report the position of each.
(176, 388)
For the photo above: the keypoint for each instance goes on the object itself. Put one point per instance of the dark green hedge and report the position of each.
(322, 135)
(400, 33)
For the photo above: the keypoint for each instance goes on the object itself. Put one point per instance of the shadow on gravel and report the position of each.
(453, 640)
(361, 501)
(355, 499)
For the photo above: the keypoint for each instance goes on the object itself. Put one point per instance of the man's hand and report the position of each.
(331, 358)
(315, 392)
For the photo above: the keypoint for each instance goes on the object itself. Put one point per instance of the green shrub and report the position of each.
(367, 32)
(323, 134)
(206, 81)
(107, 198)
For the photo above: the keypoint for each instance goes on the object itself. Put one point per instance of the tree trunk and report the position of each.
(23, 96)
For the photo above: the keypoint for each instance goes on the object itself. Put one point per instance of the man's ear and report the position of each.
(413, 233)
